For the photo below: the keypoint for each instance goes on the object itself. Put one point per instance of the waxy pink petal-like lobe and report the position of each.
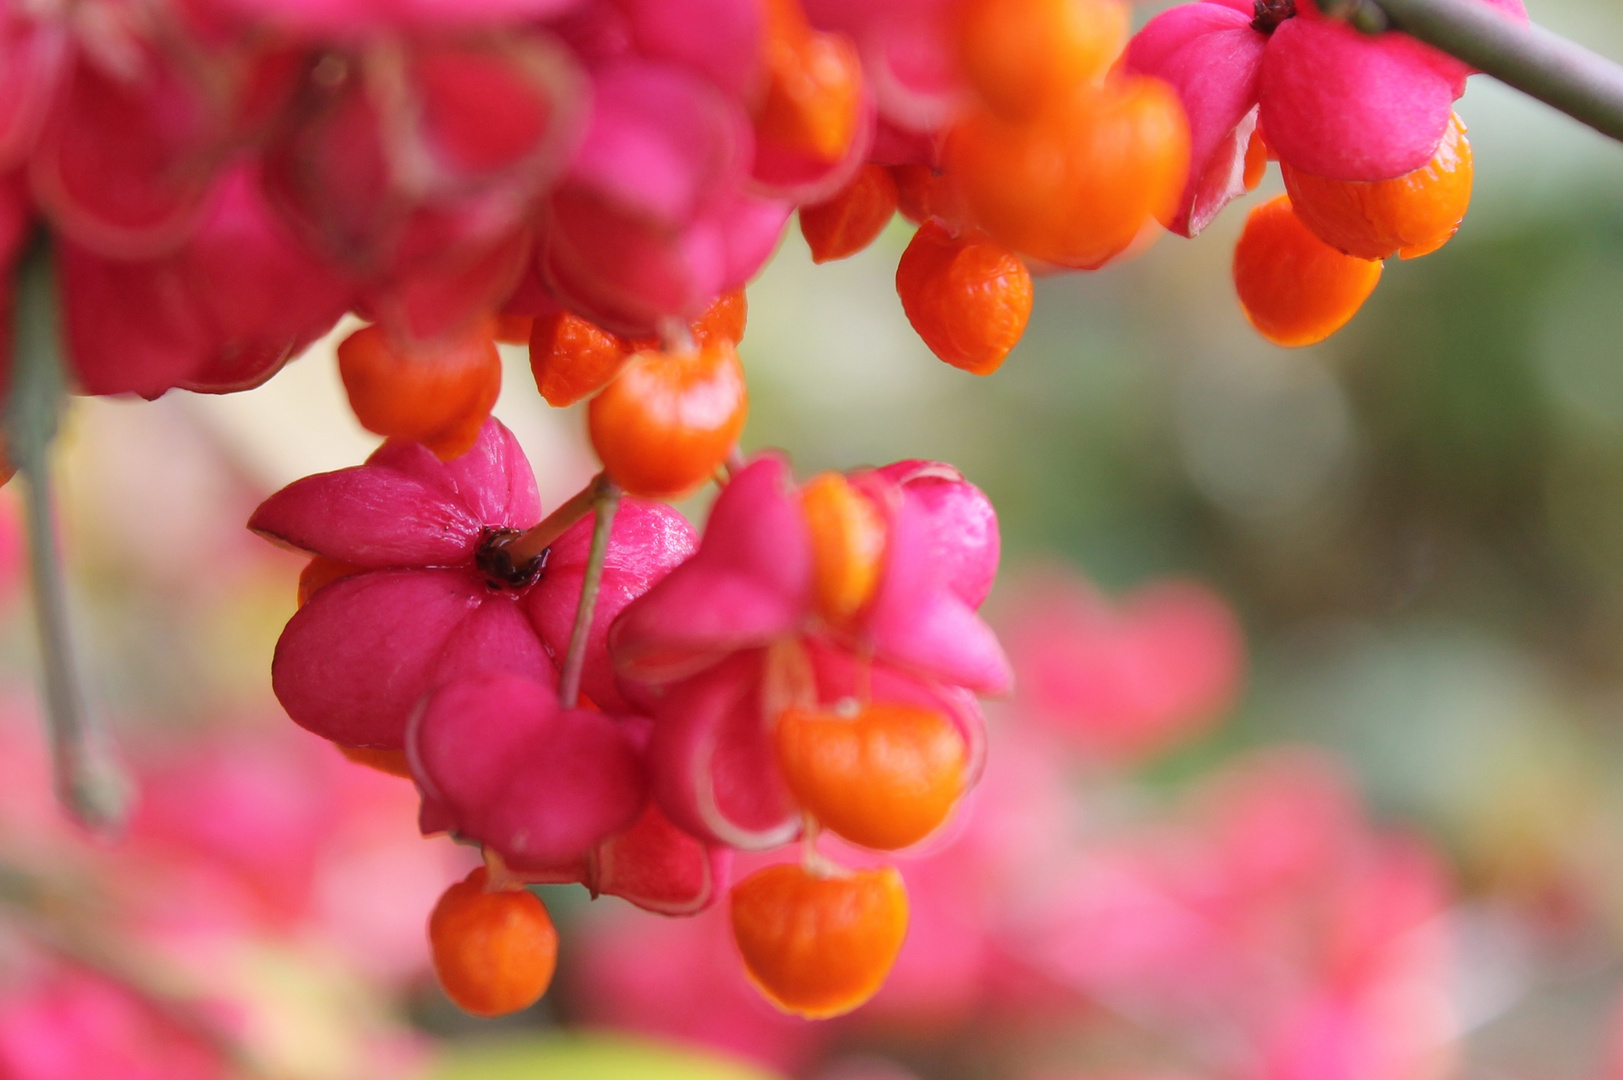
(405, 507)
(713, 762)
(749, 583)
(352, 662)
(370, 516)
(648, 540)
(1209, 54)
(660, 868)
(1346, 106)
(917, 621)
(541, 785)
(964, 540)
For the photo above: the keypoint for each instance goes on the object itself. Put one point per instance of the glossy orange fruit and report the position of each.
(923, 193)
(819, 946)
(439, 397)
(494, 952)
(1021, 54)
(885, 776)
(968, 297)
(848, 545)
(723, 319)
(1075, 183)
(849, 221)
(813, 98)
(1411, 215)
(1295, 288)
(1256, 159)
(573, 358)
(668, 420)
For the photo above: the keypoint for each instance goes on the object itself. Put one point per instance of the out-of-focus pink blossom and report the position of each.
(416, 168)
(420, 610)
(908, 55)
(11, 550)
(1126, 680)
(256, 855)
(223, 313)
(244, 833)
(1276, 916)
(126, 160)
(681, 979)
(1262, 929)
(69, 1023)
(34, 52)
(654, 219)
(356, 19)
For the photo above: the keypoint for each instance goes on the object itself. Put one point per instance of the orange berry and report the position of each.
(1295, 288)
(885, 776)
(819, 946)
(724, 318)
(968, 297)
(572, 358)
(1256, 159)
(494, 952)
(850, 220)
(1021, 54)
(813, 97)
(320, 572)
(514, 329)
(848, 545)
(1410, 215)
(392, 762)
(923, 193)
(437, 397)
(1074, 184)
(669, 420)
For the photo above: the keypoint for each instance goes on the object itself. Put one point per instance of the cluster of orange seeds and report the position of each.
(812, 104)
(436, 395)
(1307, 260)
(818, 939)
(662, 417)
(1057, 161)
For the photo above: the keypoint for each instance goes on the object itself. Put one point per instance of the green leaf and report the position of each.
(597, 1056)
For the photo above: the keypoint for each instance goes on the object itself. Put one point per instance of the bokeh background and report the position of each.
(1315, 771)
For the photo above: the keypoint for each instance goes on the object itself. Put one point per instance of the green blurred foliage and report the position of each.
(586, 1057)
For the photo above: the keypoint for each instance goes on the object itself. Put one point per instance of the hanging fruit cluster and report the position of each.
(598, 695)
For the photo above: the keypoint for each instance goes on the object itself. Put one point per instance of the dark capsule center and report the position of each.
(1270, 13)
(495, 562)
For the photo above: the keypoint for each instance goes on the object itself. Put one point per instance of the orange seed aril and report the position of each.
(819, 945)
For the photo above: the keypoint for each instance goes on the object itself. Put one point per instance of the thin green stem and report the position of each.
(1540, 63)
(528, 545)
(605, 503)
(88, 780)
